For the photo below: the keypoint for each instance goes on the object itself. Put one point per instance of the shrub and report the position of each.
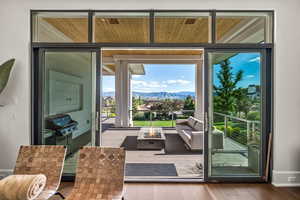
(255, 116)
(112, 115)
(228, 131)
(139, 116)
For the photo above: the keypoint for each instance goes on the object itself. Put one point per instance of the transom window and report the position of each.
(143, 27)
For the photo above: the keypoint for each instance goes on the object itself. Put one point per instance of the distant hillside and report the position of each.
(157, 95)
(108, 94)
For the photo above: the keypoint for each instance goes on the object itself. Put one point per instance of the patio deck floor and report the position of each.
(175, 161)
(187, 163)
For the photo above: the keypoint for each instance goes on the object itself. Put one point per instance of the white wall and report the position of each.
(14, 42)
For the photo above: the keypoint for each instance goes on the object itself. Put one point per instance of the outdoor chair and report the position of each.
(47, 160)
(99, 174)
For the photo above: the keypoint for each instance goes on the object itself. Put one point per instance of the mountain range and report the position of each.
(157, 95)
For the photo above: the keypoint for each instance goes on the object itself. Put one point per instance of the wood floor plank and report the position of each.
(188, 191)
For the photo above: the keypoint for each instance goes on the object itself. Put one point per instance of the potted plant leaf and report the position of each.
(5, 70)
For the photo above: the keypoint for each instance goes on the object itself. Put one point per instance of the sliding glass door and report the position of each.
(235, 114)
(68, 105)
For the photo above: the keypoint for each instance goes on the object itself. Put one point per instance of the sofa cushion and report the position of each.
(191, 121)
(198, 125)
(181, 121)
(183, 127)
(188, 133)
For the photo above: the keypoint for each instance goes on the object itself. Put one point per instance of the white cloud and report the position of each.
(257, 59)
(145, 84)
(178, 81)
(137, 82)
(156, 86)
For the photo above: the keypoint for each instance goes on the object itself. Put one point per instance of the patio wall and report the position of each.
(15, 42)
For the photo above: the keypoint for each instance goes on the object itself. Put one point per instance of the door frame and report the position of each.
(37, 78)
(37, 87)
(266, 78)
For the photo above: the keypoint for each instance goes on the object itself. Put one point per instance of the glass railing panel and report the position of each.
(159, 118)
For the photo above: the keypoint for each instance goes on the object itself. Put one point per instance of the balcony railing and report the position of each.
(240, 130)
(108, 112)
(159, 118)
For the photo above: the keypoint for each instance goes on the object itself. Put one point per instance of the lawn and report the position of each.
(157, 123)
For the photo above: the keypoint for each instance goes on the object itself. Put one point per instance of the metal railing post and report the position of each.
(172, 118)
(251, 126)
(248, 131)
(225, 125)
(151, 118)
(253, 136)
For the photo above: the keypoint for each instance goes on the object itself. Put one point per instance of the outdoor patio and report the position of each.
(174, 161)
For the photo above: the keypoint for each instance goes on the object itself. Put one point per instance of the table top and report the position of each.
(144, 132)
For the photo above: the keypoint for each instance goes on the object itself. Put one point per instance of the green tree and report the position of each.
(227, 93)
(135, 103)
(243, 103)
(189, 104)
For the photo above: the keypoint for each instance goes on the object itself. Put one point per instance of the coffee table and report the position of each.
(151, 139)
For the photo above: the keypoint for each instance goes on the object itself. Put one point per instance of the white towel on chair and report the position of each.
(22, 187)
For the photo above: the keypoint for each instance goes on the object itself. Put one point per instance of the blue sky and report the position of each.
(249, 63)
(165, 78)
(181, 77)
(159, 78)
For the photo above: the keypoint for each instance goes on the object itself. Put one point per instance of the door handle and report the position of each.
(206, 121)
(97, 121)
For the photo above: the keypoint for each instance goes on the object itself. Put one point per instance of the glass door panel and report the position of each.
(235, 113)
(69, 102)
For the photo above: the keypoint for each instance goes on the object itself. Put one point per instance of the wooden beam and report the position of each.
(157, 57)
(107, 69)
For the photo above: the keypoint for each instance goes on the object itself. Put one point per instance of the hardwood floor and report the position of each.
(149, 191)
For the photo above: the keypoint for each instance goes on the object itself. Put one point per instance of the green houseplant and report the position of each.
(5, 70)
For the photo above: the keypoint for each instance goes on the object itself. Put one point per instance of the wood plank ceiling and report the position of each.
(122, 30)
(136, 30)
(109, 69)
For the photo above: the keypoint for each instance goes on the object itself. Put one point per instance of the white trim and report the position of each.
(199, 90)
(286, 184)
(122, 94)
(286, 172)
(281, 178)
(110, 71)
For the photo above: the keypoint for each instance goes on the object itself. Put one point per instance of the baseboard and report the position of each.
(286, 178)
(5, 172)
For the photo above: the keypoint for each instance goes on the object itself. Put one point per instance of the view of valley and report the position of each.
(159, 102)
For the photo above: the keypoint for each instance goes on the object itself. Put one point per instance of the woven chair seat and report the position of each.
(99, 174)
(40, 159)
